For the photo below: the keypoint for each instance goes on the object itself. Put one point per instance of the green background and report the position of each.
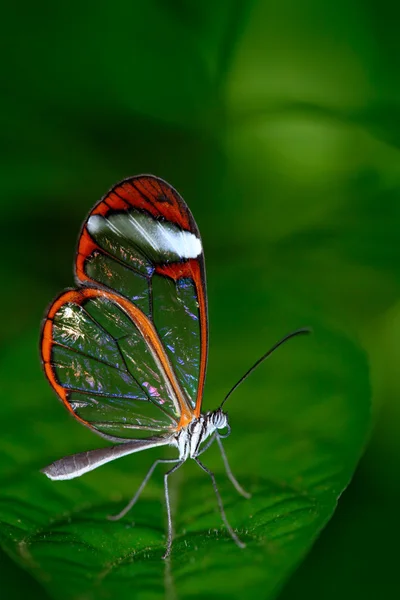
(278, 122)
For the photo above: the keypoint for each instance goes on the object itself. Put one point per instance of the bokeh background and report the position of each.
(279, 124)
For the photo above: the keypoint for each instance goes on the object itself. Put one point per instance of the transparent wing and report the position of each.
(105, 360)
(142, 242)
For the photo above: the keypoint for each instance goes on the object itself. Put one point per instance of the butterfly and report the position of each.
(126, 351)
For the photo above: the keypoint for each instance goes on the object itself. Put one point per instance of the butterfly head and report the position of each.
(220, 421)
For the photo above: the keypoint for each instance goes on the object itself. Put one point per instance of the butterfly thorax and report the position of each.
(190, 437)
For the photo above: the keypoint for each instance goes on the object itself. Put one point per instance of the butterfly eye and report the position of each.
(220, 421)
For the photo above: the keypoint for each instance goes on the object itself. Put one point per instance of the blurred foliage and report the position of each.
(278, 123)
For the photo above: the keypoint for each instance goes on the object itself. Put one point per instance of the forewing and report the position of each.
(106, 362)
(142, 241)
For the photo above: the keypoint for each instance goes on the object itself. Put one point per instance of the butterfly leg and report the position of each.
(207, 444)
(169, 542)
(133, 501)
(233, 479)
(235, 538)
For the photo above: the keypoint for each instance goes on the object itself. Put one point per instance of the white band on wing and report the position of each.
(160, 240)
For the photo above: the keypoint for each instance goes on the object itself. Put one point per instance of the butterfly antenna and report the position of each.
(303, 330)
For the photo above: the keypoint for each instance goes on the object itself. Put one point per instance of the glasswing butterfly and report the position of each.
(126, 351)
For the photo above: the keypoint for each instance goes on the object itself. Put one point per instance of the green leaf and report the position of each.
(16, 581)
(298, 427)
